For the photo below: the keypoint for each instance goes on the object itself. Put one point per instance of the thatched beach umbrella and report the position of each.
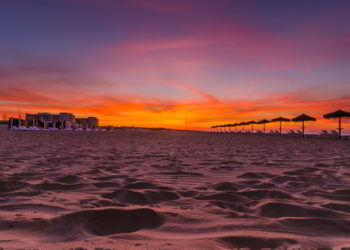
(227, 126)
(338, 114)
(303, 118)
(251, 123)
(219, 128)
(280, 120)
(235, 125)
(222, 128)
(243, 124)
(239, 124)
(263, 122)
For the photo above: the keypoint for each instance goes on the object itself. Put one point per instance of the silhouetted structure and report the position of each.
(243, 124)
(263, 122)
(303, 118)
(338, 114)
(280, 120)
(251, 123)
(48, 120)
(87, 123)
(54, 121)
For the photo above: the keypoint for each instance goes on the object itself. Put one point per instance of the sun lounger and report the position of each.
(334, 133)
(312, 134)
(324, 133)
(291, 132)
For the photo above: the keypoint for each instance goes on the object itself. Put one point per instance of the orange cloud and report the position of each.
(155, 113)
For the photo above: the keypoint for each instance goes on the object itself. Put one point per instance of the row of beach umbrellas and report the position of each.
(301, 118)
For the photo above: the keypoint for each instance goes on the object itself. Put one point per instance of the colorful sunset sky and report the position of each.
(151, 62)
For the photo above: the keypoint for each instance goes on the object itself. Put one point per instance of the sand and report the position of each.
(172, 190)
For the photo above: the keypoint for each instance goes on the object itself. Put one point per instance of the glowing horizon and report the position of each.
(148, 63)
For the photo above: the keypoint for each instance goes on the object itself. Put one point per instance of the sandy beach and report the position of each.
(172, 190)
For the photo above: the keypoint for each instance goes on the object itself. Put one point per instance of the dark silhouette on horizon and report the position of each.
(337, 114)
(301, 118)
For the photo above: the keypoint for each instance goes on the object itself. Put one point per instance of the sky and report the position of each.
(151, 63)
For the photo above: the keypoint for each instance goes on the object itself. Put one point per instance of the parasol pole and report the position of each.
(303, 130)
(264, 128)
(339, 127)
(280, 128)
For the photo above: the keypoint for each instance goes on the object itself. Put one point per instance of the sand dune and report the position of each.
(172, 190)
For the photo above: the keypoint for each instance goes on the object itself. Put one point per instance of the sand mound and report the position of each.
(295, 184)
(222, 196)
(265, 185)
(141, 197)
(31, 207)
(345, 192)
(24, 194)
(81, 224)
(52, 186)
(338, 207)
(144, 185)
(69, 179)
(265, 194)
(106, 184)
(338, 195)
(283, 179)
(188, 193)
(226, 186)
(318, 226)
(112, 221)
(9, 186)
(257, 242)
(109, 177)
(276, 210)
(181, 173)
(256, 175)
(232, 206)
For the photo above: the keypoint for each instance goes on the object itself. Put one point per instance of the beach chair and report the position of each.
(325, 133)
(291, 132)
(334, 133)
(299, 132)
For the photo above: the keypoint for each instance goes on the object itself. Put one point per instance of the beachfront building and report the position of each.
(87, 123)
(48, 120)
(16, 122)
(55, 121)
